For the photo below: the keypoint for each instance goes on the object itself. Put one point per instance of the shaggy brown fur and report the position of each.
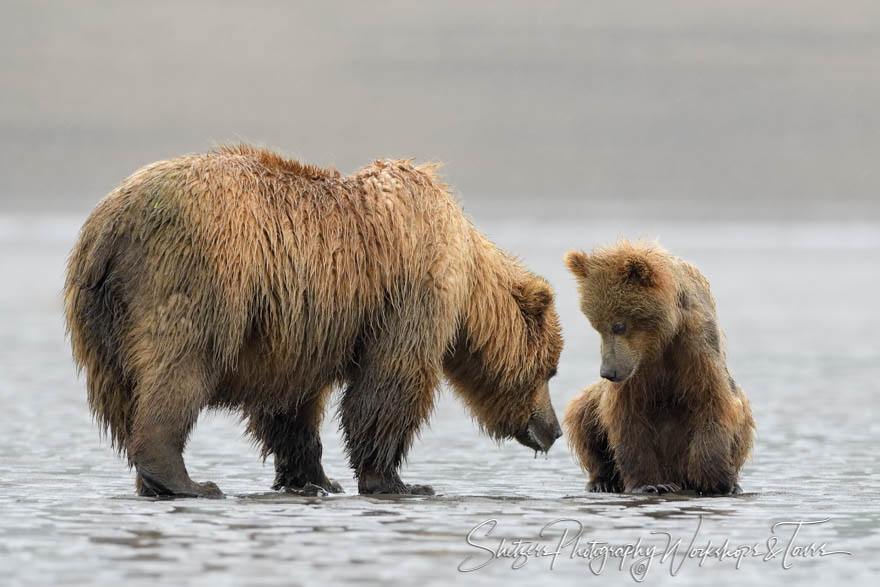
(667, 415)
(240, 279)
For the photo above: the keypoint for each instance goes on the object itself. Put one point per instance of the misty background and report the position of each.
(681, 109)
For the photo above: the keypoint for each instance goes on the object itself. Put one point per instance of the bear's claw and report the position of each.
(659, 489)
(603, 487)
(309, 489)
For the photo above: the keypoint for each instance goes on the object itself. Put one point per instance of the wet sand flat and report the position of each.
(809, 367)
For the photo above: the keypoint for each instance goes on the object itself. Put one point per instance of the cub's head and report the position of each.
(503, 361)
(628, 294)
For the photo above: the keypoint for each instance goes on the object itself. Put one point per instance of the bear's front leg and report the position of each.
(294, 439)
(642, 469)
(589, 441)
(710, 467)
(381, 412)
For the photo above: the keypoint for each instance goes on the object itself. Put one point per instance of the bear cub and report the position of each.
(666, 415)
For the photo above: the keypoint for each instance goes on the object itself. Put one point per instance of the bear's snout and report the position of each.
(541, 432)
(615, 369)
(609, 374)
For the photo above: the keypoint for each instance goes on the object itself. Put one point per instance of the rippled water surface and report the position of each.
(798, 303)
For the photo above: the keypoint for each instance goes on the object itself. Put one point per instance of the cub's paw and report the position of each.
(725, 487)
(659, 489)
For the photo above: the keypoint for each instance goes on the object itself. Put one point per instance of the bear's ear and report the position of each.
(534, 297)
(578, 263)
(637, 270)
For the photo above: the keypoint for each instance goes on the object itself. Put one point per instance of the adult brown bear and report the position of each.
(240, 279)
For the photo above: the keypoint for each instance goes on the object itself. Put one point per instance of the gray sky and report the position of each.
(746, 109)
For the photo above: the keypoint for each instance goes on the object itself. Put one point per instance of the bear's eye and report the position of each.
(618, 328)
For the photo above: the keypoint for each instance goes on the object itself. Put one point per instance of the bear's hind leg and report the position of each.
(589, 440)
(168, 404)
(295, 441)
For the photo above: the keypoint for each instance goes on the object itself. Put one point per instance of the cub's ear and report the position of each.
(534, 297)
(637, 270)
(578, 263)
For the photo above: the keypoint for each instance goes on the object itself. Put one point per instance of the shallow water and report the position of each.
(797, 302)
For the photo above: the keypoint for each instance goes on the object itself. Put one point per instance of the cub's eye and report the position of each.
(618, 328)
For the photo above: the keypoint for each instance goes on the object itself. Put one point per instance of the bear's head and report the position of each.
(629, 295)
(502, 372)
